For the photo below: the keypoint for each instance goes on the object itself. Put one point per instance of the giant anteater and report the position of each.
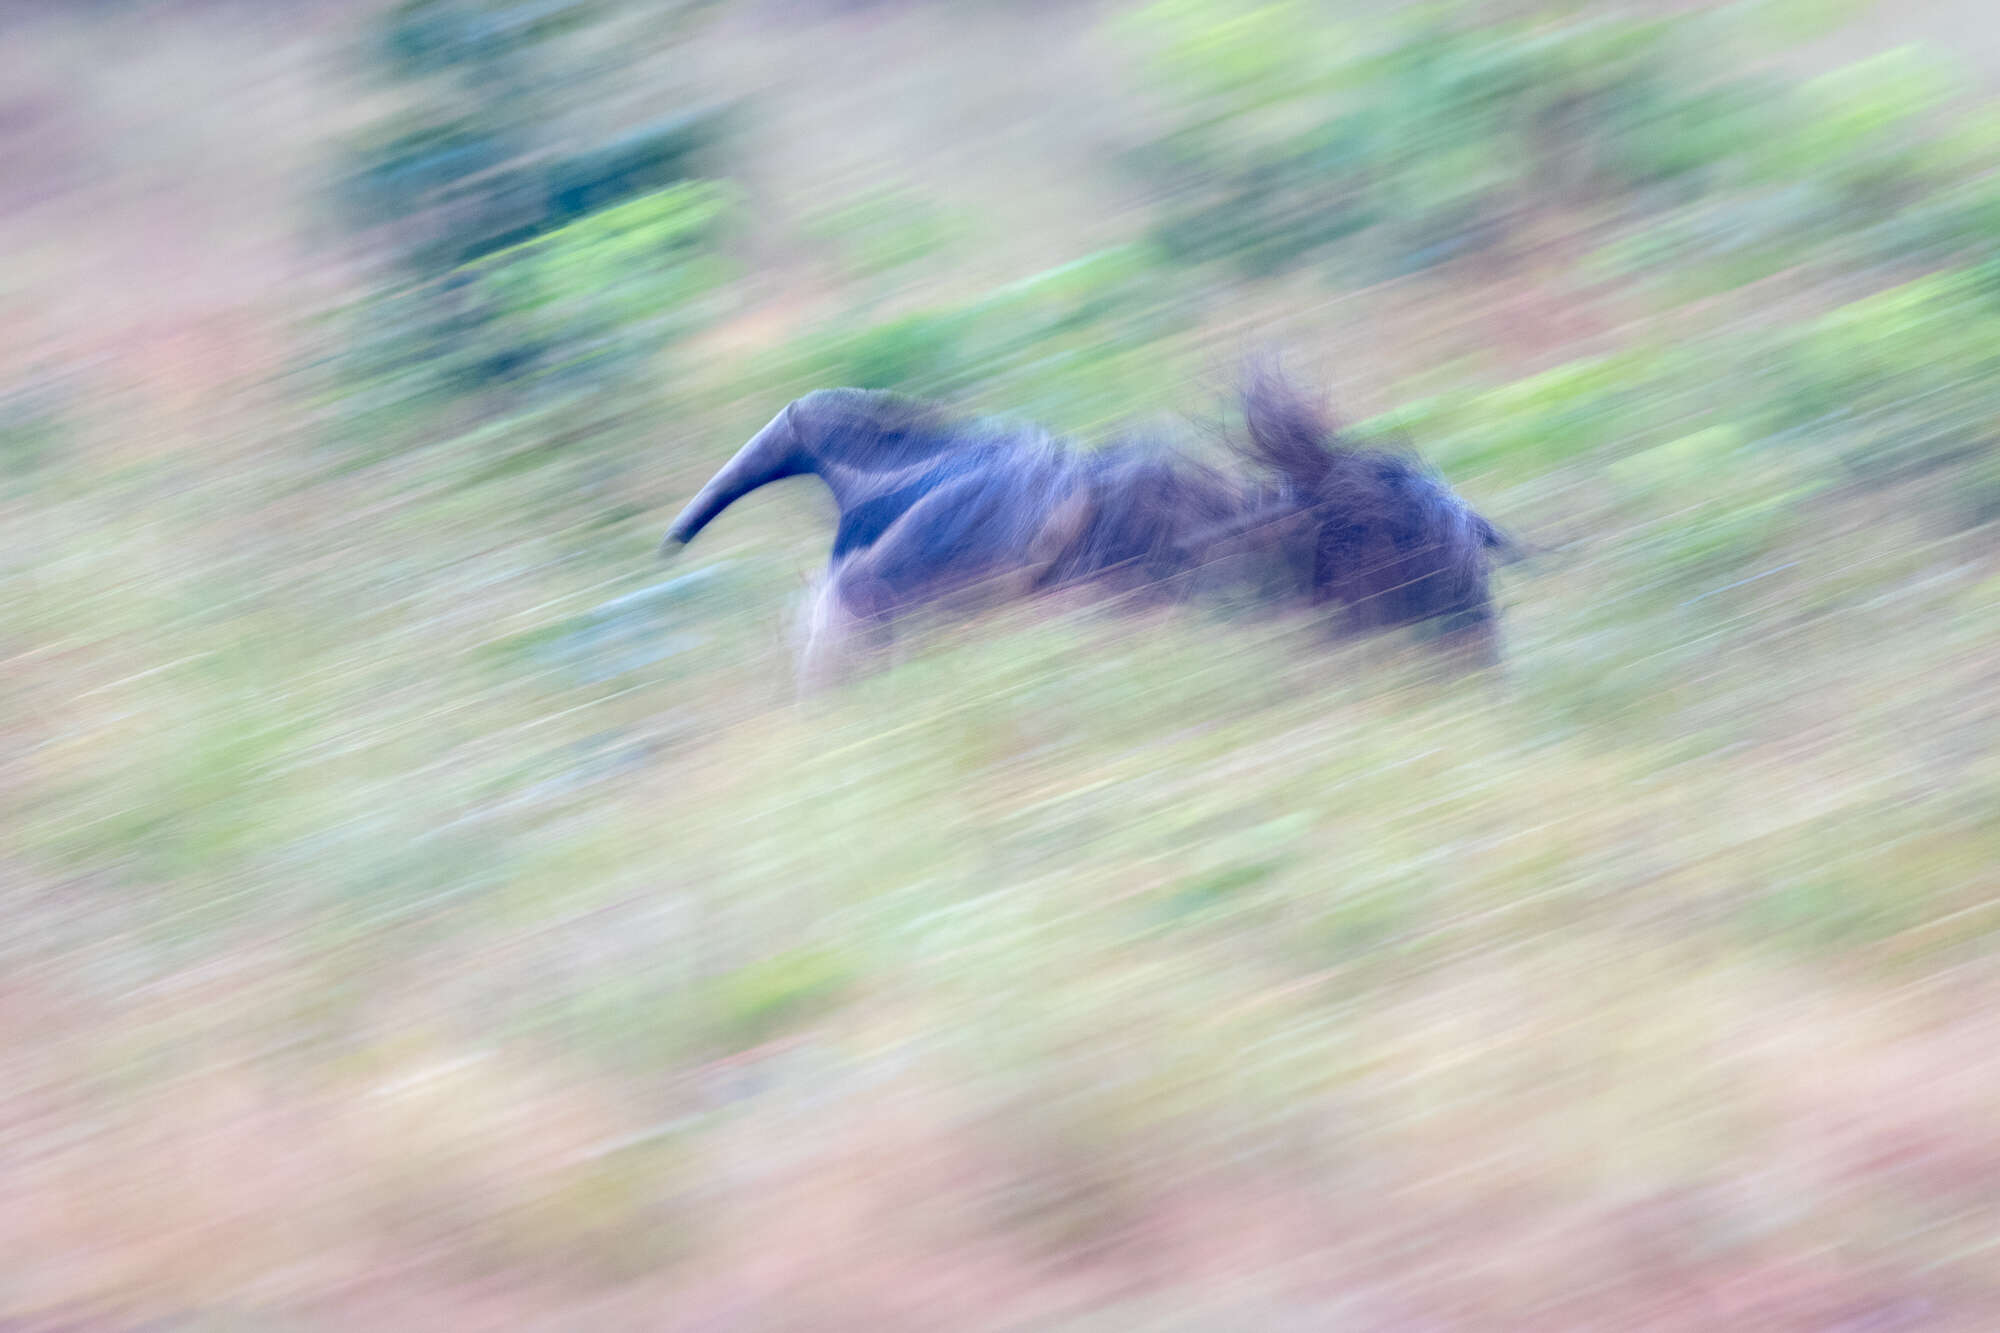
(934, 509)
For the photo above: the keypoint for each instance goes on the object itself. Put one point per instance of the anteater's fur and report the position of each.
(933, 509)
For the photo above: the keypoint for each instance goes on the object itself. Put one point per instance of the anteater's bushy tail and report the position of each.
(1286, 432)
(1391, 539)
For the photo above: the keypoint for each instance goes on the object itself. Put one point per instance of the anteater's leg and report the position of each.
(1048, 551)
(842, 627)
(824, 639)
(1470, 638)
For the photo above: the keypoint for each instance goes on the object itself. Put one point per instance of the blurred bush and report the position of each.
(1902, 384)
(883, 230)
(1065, 343)
(1437, 132)
(531, 265)
(1447, 129)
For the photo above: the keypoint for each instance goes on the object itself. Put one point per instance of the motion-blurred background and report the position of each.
(421, 909)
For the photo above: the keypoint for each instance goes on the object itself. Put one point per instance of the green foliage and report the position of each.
(451, 191)
(883, 230)
(576, 307)
(201, 776)
(422, 37)
(528, 269)
(1055, 341)
(1721, 243)
(1228, 57)
(763, 999)
(1716, 503)
(400, 169)
(1434, 133)
(1857, 106)
(586, 299)
(1902, 384)
(1537, 424)
(480, 157)
(1444, 132)
(1783, 24)
(1859, 131)
(1231, 868)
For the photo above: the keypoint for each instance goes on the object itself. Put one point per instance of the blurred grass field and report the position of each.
(425, 910)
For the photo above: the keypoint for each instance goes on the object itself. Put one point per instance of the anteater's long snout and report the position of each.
(772, 454)
(679, 534)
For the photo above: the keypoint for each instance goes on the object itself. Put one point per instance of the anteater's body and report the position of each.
(934, 509)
